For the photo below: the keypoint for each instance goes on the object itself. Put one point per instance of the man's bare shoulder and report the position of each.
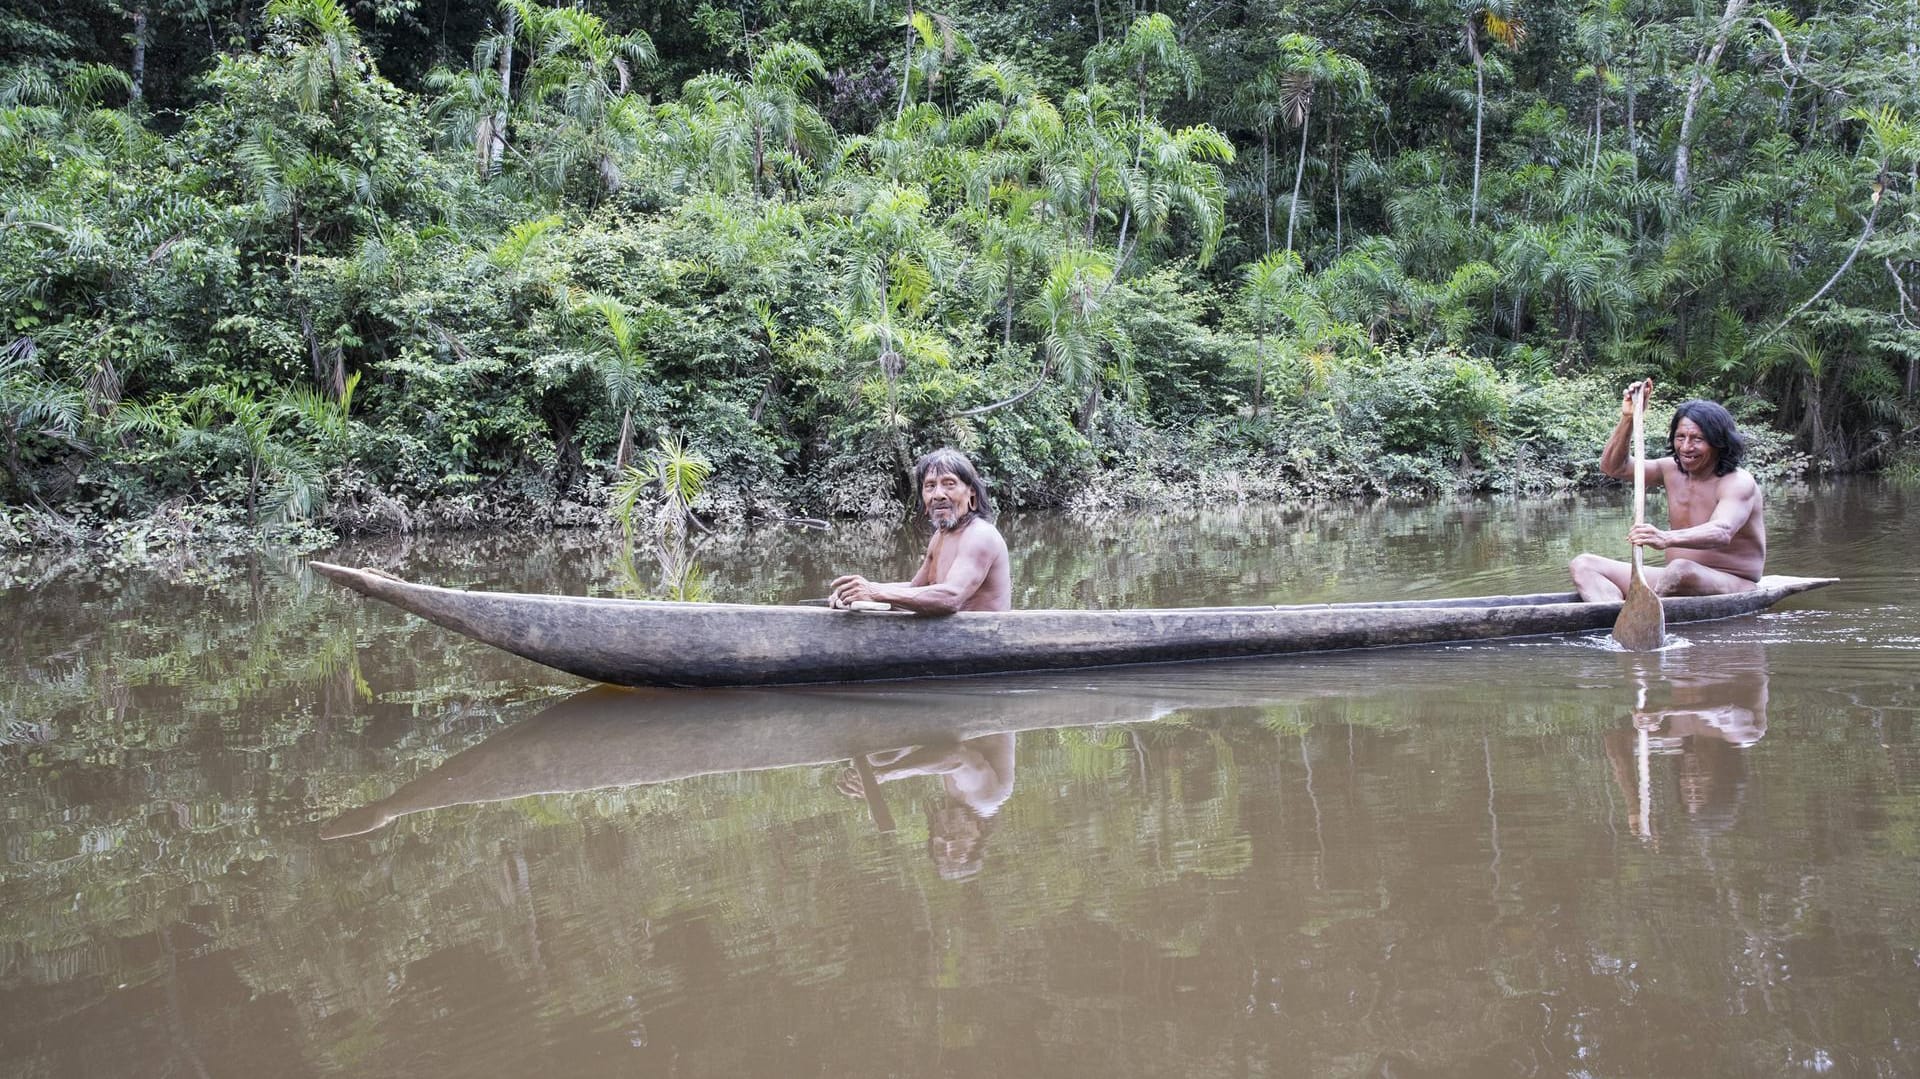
(1736, 484)
(981, 531)
(1660, 470)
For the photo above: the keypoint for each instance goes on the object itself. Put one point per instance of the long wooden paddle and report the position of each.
(1642, 625)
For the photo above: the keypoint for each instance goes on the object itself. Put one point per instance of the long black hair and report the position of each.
(1716, 423)
(949, 461)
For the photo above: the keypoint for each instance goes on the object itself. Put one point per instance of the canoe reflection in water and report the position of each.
(610, 737)
(1704, 706)
(976, 777)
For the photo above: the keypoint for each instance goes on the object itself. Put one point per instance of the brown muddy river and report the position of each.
(255, 826)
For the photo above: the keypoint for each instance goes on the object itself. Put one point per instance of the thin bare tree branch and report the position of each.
(1837, 274)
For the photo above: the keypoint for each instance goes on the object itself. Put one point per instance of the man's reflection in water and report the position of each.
(1705, 706)
(976, 776)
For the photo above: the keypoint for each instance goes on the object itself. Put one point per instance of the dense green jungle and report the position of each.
(319, 267)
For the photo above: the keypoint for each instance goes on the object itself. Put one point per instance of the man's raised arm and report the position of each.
(1616, 459)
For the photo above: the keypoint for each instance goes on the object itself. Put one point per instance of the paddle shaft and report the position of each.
(1641, 626)
(1639, 470)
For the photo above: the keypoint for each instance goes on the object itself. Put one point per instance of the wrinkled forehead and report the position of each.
(935, 472)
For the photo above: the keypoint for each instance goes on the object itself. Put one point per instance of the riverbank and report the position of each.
(1158, 472)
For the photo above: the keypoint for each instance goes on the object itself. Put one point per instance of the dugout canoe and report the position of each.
(655, 643)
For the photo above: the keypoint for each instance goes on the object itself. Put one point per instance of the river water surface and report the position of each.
(256, 826)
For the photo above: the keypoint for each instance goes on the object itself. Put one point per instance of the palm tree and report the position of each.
(1277, 293)
(1303, 69)
(579, 70)
(1075, 324)
(620, 363)
(750, 124)
(1256, 103)
(899, 262)
(932, 44)
(1012, 236)
(472, 107)
(1177, 171)
(673, 480)
(1151, 44)
(282, 477)
(1596, 34)
(329, 48)
(32, 407)
(1501, 22)
(1267, 283)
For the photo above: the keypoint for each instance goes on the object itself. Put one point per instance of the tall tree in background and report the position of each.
(1706, 59)
(1501, 22)
(1304, 69)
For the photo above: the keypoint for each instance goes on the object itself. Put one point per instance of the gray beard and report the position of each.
(954, 519)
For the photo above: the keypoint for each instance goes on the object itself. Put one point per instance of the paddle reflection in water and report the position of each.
(1703, 707)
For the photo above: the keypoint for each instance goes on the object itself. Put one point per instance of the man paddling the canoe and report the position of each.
(1717, 542)
(966, 564)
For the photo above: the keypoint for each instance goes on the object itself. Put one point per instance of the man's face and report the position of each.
(946, 498)
(1691, 449)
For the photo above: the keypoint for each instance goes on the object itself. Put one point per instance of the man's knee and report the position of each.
(1589, 566)
(1680, 577)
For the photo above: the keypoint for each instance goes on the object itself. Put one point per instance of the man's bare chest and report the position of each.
(1691, 502)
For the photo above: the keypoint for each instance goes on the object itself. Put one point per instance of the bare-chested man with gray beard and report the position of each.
(966, 564)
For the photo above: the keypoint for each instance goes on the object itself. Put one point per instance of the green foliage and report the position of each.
(665, 493)
(459, 291)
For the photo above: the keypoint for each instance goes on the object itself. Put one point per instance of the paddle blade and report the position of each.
(1642, 625)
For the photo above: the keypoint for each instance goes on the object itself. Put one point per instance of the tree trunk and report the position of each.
(1479, 121)
(1299, 170)
(1333, 152)
(139, 52)
(1266, 190)
(1089, 409)
(1006, 310)
(253, 492)
(497, 140)
(1599, 102)
(1260, 373)
(1816, 422)
(759, 156)
(1703, 66)
(906, 67)
(1633, 151)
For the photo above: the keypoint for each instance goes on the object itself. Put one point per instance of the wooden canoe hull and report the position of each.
(647, 643)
